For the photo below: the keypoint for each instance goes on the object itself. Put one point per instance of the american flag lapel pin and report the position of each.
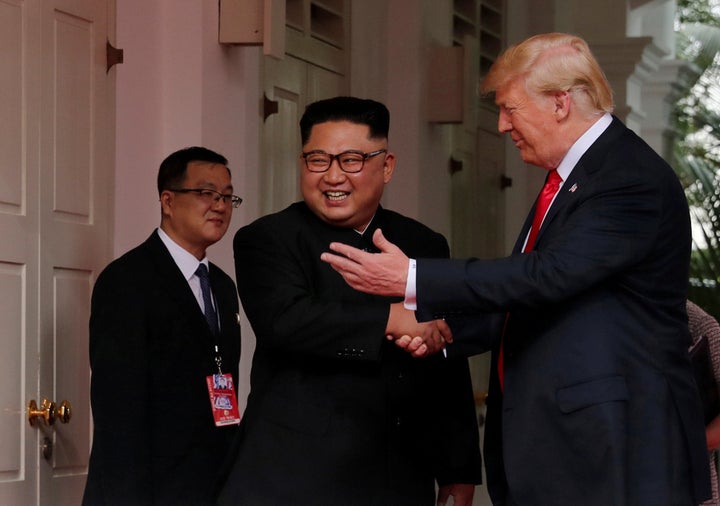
(573, 188)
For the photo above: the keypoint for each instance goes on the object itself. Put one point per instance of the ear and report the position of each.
(388, 167)
(561, 105)
(166, 202)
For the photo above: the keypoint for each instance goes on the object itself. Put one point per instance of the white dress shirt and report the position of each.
(187, 263)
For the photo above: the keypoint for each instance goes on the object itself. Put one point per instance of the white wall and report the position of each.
(176, 88)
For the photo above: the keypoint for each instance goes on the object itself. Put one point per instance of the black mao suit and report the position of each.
(155, 441)
(599, 405)
(336, 413)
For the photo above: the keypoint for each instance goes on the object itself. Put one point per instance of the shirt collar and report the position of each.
(186, 261)
(578, 149)
(367, 227)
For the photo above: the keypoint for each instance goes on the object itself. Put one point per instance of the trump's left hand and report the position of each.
(383, 273)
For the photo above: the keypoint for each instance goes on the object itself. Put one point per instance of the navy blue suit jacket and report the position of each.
(599, 405)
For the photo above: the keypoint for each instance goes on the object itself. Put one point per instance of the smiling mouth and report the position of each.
(336, 196)
(216, 219)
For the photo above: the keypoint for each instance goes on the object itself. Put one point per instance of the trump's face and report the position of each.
(532, 123)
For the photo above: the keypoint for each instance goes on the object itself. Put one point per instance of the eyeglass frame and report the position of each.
(365, 157)
(235, 201)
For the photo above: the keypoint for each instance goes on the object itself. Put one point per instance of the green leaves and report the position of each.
(697, 146)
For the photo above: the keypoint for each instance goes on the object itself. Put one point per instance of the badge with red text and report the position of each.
(223, 399)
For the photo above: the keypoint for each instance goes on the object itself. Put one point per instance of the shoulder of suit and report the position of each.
(397, 221)
(130, 271)
(217, 271)
(149, 254)
(291, 212)
(281, 223)
(137, 255)
(412, 236)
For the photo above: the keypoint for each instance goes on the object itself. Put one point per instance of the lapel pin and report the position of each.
(573, 188)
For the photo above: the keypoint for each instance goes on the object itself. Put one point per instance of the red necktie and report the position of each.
(552, 185)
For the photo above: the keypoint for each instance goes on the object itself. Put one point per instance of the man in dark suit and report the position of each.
(154, 353)
(337, 414)
(592, 398)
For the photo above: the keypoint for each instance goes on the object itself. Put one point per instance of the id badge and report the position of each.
(223, 400)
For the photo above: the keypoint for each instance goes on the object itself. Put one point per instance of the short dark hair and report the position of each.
(355, 110)
(174, 168)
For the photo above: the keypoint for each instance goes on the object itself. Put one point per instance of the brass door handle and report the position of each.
(64, 412)
(48, 412)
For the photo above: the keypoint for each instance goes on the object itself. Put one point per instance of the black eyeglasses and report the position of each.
(210, 197)
(349, 161)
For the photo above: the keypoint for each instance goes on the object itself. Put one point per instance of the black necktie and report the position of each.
(210, 314)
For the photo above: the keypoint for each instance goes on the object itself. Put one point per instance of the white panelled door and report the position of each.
(56, 167)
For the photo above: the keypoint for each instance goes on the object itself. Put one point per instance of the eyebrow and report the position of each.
(209, 184)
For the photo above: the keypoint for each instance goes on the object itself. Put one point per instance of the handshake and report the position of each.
(418, 339)
(385, 273)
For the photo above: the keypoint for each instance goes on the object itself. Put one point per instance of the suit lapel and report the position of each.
(518, 248)
(172, 280)
(566, 194)
(572, 188)
(525, 230)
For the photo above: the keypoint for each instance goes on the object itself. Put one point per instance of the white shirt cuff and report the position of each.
(410, 290)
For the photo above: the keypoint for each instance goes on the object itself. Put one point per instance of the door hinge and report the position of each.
(270, 107)
(113, 56)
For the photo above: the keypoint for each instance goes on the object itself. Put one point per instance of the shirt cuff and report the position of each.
(410, 290)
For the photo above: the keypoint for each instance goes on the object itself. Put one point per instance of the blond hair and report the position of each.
(553, 62)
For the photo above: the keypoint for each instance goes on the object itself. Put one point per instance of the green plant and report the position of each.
(697, 145)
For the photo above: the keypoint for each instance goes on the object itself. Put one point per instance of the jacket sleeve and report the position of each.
(616, 228)
(296, 304)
